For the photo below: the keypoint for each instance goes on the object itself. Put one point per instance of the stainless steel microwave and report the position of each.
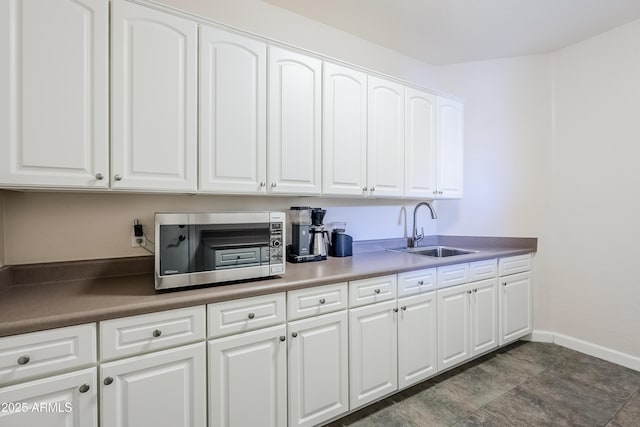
(216, 247)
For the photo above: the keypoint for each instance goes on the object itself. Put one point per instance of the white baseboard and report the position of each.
(540, 336)
(595, 350)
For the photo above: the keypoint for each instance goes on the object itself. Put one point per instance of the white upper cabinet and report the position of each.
(420, 144)
(233, 111)
(344, 159)
(385, 173)
(154, 99)
(294, 122)
(450, 148)
(54, 93)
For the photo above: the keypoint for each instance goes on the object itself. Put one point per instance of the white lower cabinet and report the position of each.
(515, 296)
(516, 318)
(261, 370)
(67, 400)
(484, 316)
(164, 388)
(454, 344)
(248, 379)
(467, 321)
(318, 369)
(373, 352)
(417, 339)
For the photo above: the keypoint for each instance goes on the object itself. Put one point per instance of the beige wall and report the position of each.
(2, 262)
(594, 203)
(47, 227)
(551, 150)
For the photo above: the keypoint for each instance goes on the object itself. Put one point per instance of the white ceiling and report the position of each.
(451, 31)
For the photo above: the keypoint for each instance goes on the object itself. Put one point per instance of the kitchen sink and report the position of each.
(435, 251)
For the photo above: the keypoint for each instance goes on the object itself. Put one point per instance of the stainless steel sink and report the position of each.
(435, 251)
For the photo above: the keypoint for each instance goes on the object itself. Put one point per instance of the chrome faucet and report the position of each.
(415, 239)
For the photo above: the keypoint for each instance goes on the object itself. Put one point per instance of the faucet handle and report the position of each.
(421, 235)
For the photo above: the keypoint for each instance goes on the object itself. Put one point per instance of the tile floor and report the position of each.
(524, 384)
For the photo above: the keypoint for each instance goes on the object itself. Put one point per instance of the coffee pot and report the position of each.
(319, 235)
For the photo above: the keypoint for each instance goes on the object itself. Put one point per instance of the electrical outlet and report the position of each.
(137, 241)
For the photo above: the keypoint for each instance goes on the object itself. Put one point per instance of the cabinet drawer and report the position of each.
(376, 289)
(319, 300)
(451, 275)
(481, 270)
(245, 314)
(514, 264)
(42, 353)
(416, 282)
(150, 332)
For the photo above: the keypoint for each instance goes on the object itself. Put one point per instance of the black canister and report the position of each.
(341, 244)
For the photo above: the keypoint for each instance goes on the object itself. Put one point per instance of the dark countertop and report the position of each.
(43, 305)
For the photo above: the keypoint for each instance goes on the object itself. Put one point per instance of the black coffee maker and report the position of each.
(341, 243)
(298, 250)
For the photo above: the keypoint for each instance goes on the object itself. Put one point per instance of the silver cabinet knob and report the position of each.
(475, 290)
(294, 334)
(84, 388)
(263, 184)
(23, 360)
(372, 189)
(504, 284)
(377, 291)
(404, 308)
(364, 189)
(251, 315)
(322, 301)
(274, 184)
(283, 338)
(395, 310)
(157, 333)
(99, 176)
(107, 381)
(420, 282)
(117, 177)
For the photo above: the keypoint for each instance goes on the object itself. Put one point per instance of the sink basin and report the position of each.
(435, 251)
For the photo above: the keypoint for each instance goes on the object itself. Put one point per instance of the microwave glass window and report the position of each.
(198, 247)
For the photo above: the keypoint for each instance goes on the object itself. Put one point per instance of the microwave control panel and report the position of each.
(275, 243)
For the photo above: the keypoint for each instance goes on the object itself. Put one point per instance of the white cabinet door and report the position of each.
(417, 339)
(318, 369)
(54, 93)
(373, 352)
(450, 148)
(294, 122)
(516, 317)
(453, 326)
(385, 150)
(154, 99)
(345, 131)
(420, 144)
(233, 111)
(165, 388)
(484, 316)
(67, 400)
(248, 379)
